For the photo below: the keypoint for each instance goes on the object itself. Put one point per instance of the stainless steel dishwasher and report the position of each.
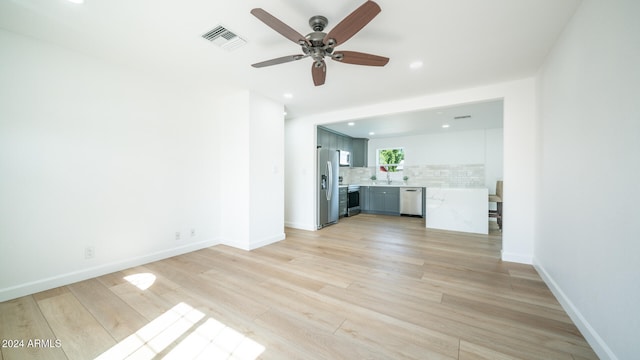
(411, 201)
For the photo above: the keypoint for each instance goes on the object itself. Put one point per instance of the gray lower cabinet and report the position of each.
(342, 203)
(364, 198)
(380, 200)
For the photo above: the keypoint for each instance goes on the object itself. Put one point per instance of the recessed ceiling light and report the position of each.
(76, 1)
(372, 133)
(416, 64)
(351, 124)
(444, 126)
(288, 95)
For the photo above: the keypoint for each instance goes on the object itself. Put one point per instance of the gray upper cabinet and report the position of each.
(332, 140)
(323, 138)
(341, 143)
(357, 147)
(359, 153)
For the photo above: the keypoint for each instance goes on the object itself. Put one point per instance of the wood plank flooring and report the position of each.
(370, 287)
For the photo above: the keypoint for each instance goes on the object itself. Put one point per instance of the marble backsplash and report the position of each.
(451, 176)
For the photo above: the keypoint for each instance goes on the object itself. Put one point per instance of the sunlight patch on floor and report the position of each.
(142, 281)
(214, 340)
(209, 340)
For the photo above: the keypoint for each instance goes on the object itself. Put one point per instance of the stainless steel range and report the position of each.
(353, 200)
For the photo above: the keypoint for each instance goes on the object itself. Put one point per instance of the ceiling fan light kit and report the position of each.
(317, 45)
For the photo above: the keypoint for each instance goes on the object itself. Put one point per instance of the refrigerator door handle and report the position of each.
(329, 189)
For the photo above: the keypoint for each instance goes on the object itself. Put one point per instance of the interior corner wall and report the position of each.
(93, 155)
(300, 175)
(520, 152)
(520, 156)
(251, 170)
(233, 168)
(587, 241)
(266, 138)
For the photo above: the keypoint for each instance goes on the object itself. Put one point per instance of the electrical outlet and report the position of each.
(89, 252)
(193, 232)
(178, 236)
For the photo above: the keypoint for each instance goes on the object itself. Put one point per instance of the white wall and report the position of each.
(452, 148)
(94, 155)
(494, 155)
(519, 156)
(300, 175)
(266, 139)
(588, 234)
(463, 147)
(234, 170)
(251, 170)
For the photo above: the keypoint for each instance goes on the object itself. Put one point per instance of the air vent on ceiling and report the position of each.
(462, 117)
(224, 38)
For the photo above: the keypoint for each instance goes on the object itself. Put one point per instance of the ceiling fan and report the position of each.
(319, 45)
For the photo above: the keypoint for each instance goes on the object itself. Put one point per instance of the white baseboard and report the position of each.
(300, 226)
(518, 258)
(267, 241)
(256, 244)
(593, 338)
(33, 287)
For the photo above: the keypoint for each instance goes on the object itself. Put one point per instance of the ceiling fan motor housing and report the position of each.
(318, 22)
(316, 38)
(318, 50)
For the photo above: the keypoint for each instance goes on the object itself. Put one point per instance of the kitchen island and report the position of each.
(455, 209)
(458, 209)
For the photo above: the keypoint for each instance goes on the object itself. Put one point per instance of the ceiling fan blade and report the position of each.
(353, 23)
(279, 60)
(277, 25)
(358, 58)
(319, 72)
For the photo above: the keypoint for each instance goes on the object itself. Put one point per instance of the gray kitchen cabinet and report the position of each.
(384, 200)
(323, 138)
(333, 141)
(359, 152)
(392, 201)
(349, 146)
(364, 199)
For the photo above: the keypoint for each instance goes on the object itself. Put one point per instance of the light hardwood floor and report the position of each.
(370, 287)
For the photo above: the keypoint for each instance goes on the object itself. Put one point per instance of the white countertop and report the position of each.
(410, 184)
(393, 184)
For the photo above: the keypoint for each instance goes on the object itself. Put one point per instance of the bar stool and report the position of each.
(497, 198)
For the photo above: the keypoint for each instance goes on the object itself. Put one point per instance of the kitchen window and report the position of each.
(390, 160)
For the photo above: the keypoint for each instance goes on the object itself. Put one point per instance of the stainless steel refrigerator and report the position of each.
(327, 187)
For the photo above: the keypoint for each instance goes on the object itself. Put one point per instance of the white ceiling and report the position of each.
(463, 43)
(463, 117)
